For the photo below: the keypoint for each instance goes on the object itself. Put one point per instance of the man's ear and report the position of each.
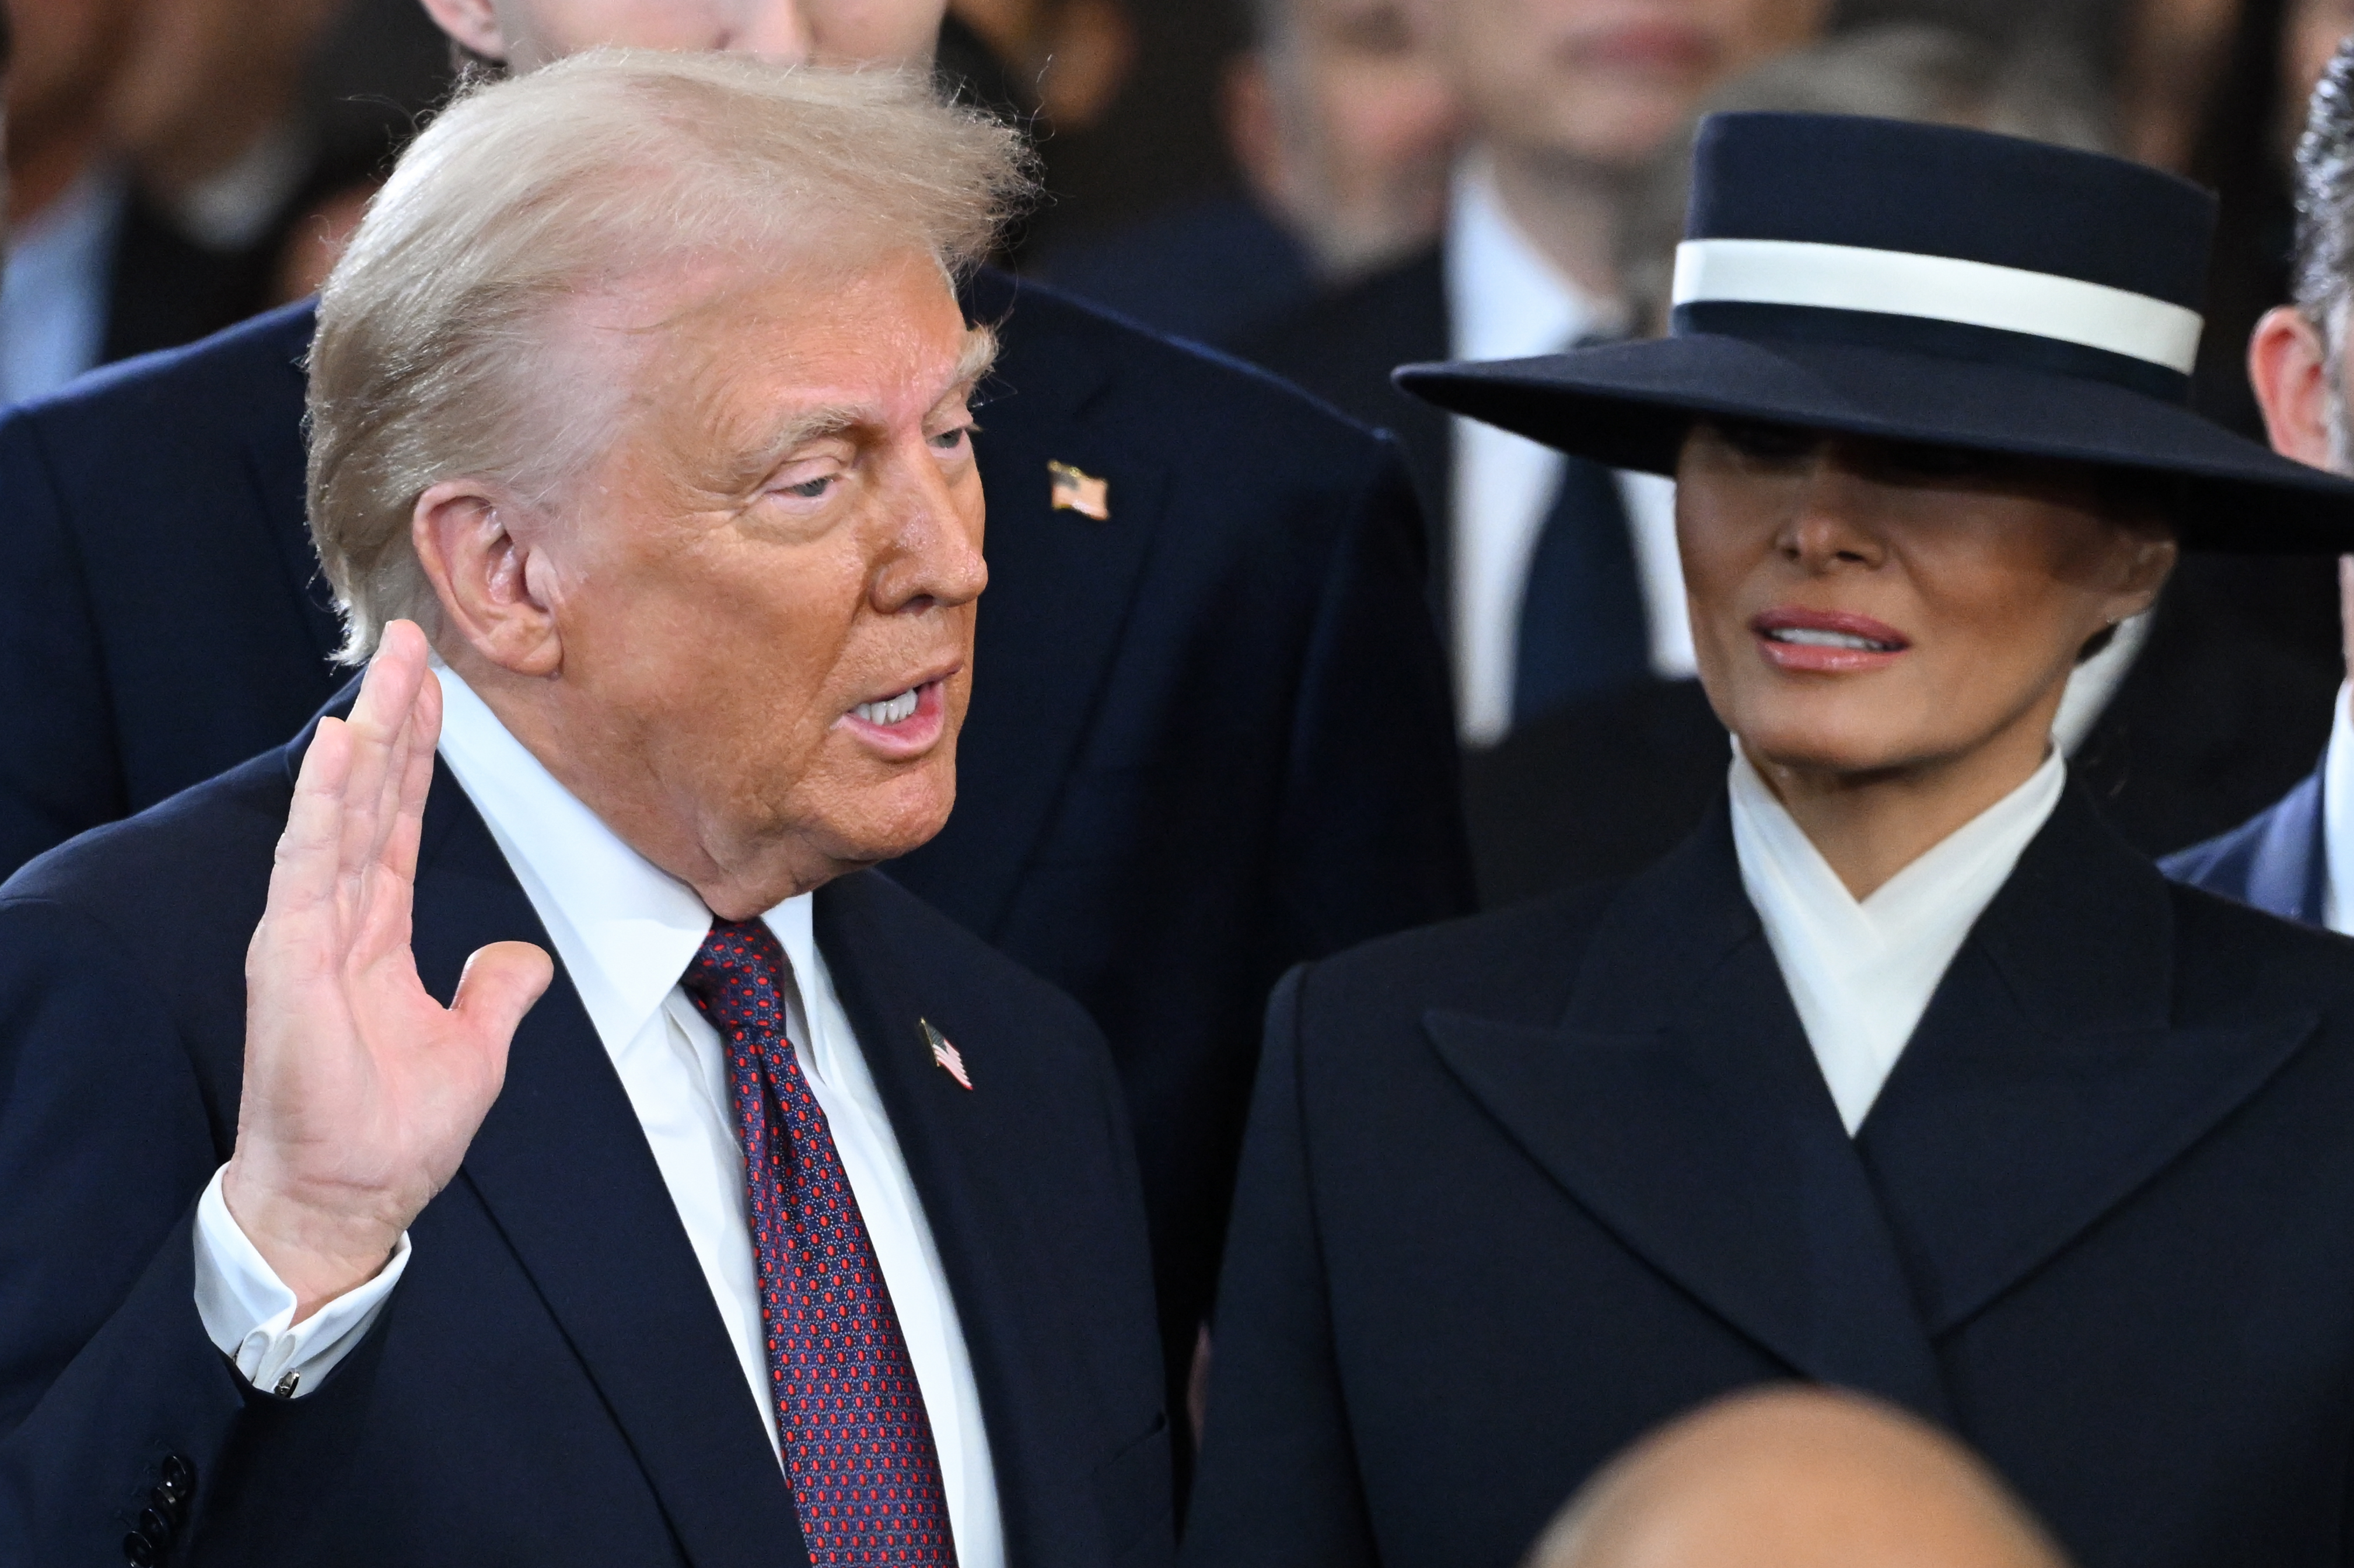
(2288, 365)
(472, 25)
(493, 598)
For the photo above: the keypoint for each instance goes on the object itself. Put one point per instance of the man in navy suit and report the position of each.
(2287, 859)
(1215, 736)
(795, 1224)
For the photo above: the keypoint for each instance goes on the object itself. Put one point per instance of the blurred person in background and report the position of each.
(1211, 671)
(162, 160)
(2296, 858)
(1344, 130)
(1795, 1477)
(1545, 589)
(1602, 787)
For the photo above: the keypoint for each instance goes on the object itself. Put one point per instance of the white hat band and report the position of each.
(1937, 288)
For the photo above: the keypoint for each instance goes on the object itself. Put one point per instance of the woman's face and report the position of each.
(1862, 607)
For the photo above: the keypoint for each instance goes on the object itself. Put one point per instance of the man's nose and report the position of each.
(936, 553)
(775, 30)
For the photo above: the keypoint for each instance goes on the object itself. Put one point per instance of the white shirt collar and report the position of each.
(1504, 299)
(625, 929)
(1862, 974)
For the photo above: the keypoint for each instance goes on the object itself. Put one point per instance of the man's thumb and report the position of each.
(500, 983)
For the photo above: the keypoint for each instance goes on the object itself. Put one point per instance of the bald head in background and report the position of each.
(1795, 1477)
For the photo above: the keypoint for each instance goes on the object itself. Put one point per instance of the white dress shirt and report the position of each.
(1862, 974)
(1505, 300)
(53, 292)
(625, 931)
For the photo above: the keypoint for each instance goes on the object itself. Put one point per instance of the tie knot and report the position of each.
(738, 977)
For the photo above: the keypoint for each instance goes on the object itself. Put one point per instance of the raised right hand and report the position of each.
(361, 1091)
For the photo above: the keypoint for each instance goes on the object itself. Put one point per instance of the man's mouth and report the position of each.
(889, 711)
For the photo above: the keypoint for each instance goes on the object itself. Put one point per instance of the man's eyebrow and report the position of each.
(979, 354)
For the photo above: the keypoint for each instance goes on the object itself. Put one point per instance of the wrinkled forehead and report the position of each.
(722, 352)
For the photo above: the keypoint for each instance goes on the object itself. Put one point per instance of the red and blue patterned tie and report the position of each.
(858, 1444)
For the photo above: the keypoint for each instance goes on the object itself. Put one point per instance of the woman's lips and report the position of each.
(906, 723)
(1827, 642)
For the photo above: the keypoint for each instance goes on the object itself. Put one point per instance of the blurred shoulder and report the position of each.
(215, 380)
(1182, 388)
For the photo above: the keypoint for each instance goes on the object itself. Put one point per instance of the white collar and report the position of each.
(1504, 299)
(1860, 974)
(625, 929)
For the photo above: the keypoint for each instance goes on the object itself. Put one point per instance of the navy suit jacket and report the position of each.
(1521, 1188)
(2279, 860)
(1209, 736)
(550, 1381)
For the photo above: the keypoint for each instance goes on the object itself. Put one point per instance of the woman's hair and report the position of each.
(434, 356)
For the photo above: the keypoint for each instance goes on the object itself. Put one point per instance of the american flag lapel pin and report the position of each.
(1074, 489)
(944, 1055)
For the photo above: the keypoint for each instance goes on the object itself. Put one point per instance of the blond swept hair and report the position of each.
(433, 358)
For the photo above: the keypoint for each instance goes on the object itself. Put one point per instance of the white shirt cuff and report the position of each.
(249, 1312)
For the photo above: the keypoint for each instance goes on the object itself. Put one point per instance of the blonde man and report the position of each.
(792, 1224)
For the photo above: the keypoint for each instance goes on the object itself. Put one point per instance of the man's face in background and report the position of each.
(528, 34)
(1346, 128)
(1601, 83)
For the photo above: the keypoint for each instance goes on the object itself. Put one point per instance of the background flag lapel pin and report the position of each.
(945, 1055)
(1080, 491)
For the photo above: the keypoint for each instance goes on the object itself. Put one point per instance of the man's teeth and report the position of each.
(890, 710)
(1809, 637)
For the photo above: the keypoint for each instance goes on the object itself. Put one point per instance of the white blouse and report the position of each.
(1862, 974)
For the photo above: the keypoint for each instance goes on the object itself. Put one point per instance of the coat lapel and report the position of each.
(1059, 592)
(972, 1155)
(2046, 1083)
(1679, 1103)
(563, 1167)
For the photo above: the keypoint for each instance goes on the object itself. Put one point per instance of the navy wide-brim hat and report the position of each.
(1930, 284)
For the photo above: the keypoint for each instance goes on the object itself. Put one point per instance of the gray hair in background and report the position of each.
(1894, 70)
(2322, 275)
(436, 352)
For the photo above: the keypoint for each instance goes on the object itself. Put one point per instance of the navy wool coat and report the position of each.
(1521, 1188)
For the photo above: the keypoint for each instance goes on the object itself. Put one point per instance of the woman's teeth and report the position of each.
(890, 710)
(1808, 637)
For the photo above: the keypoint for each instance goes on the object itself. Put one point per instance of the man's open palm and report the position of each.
(361, 1091)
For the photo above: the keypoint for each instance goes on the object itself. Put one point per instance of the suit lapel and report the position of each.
(2046, 1083)
(1680, 1105)
(276, 460)
(972, 1154)
(564, 1169)
(1060, 588)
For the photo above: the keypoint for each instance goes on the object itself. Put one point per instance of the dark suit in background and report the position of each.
(1210, 736)
(2279, 860)
(550, 1381)
(1520, 1187)
(1216, 271)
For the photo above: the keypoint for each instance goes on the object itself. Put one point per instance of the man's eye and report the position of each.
(949, 440)
(811, 489)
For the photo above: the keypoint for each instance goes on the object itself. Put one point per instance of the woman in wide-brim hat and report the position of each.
(1904, 1072)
